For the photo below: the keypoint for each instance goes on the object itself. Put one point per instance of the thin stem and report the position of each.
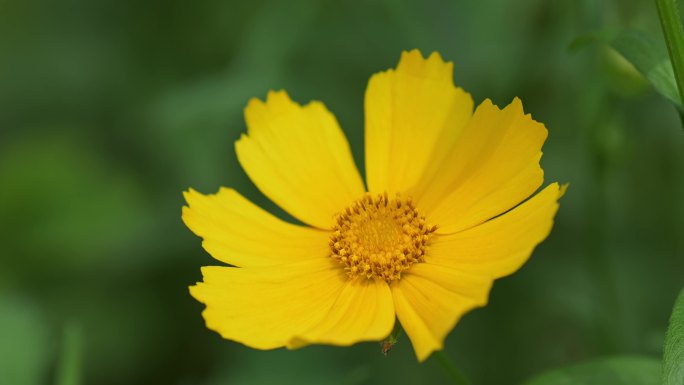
(674, 38)
(389, 343)
(396, 333)
(451, 369)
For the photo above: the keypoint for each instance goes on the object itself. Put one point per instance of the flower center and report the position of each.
(380, 237)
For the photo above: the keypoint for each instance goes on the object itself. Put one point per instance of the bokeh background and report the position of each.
(109, 109)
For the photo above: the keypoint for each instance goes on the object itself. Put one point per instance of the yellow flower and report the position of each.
(439, 219)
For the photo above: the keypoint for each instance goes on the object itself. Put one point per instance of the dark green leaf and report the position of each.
(621, 370)
(673, 357)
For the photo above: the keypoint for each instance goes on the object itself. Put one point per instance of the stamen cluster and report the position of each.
(380, 237)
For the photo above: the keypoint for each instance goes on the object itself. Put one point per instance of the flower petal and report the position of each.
(500, 246)
(299, 157)
(430, 299)
(363, 312)
(493, 166)
(413, 117)
(265, 307)
(238, 232)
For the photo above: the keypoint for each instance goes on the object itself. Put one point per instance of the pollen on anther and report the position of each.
(381, 237)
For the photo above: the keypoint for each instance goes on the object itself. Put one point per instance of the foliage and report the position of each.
(109, 109)
(608, 371)
(673, 356)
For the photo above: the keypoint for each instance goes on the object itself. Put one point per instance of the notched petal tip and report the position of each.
(318, 107)
(240, 142)
(416, 56)
(206, 272)
(193, 288)
(271, 96)
(514, 106)
(436, 57)
(214, 274)
(488, 103)
(186, 216)
(279, 97)
(276, 100)
(258, 111)
(517, 105)
(411, 55)
(189, 194)
(277, 93)
(427, 348)
(412, 62)
(554, 192)
(254, 104)
(193, 197)
(196, 292)
(514, 113)
(558, 188)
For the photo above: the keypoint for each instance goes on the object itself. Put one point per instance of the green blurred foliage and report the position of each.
(70, 359)
(673, 351)
(24, 352)
(109, 109)
(615, 371)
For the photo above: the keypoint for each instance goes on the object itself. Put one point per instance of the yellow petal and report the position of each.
(362, 312)
(237, 232)
(413, 116)
(265, 307)
(500, 246)
(429, 301)
(299, 157)
(493, 166)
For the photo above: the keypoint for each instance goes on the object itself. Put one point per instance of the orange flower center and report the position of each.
(380, 237)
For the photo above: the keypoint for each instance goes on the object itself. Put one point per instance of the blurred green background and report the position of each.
(110, 108)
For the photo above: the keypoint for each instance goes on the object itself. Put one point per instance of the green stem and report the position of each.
(389, 343)
(674, 38)
(451, 369)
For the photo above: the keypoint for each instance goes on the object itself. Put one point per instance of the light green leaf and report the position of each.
(647, 54)
(650, 58)
(673, 356)
(619, 370)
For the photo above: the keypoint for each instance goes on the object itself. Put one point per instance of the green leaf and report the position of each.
(619, 370)
(673, 356)
(645, 53)
(650, 58)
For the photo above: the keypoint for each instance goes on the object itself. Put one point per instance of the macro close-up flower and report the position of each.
(452, 200)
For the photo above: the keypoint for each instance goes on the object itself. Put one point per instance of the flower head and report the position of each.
(446, 210)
